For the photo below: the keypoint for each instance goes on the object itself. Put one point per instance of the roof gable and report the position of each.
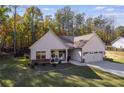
(50, 38)
(65, 41)
(117, 39)
(94, 44)
(118, 43)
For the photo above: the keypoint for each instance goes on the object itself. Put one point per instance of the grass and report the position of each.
(117, 56)
(15, 72)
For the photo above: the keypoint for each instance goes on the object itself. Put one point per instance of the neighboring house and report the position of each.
(118, 43)
(86, 48)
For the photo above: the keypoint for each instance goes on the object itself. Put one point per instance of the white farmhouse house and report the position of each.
(86, 48)
(118, 43)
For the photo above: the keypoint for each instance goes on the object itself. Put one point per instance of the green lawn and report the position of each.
(14, 72)
(117, 56)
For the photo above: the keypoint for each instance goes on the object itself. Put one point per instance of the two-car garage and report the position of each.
(93, 57)
(77, 55)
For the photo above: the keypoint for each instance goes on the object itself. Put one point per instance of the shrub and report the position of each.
(108, 59)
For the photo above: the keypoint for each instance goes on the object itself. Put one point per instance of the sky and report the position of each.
(114, 11)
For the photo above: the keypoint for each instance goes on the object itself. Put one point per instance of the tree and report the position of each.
(79, 23)
(65, 17)
(14, 29)
(3, 20)
(119, 31)
(89, 25)
(104, 27)
(31, 26)
(58, 20)
(34, 15)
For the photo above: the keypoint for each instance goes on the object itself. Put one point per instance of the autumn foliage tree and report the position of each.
(32, 25)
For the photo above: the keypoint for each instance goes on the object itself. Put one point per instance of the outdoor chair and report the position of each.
(54, 62)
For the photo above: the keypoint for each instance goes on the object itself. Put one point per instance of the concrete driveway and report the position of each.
(114, 68)
(111, 67)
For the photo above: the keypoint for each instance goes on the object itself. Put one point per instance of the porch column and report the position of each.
(33, 54)
(66, 54)
(48, 54)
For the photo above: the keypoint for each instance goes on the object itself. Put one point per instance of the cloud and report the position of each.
(105, 8)
(99, 8)
(47, 9)
(115, 14)
(110, 9)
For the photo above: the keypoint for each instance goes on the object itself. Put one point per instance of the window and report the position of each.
(85, 53)
(91, 52)
(62, 54)
(53, 53)
(40, 55)
(101, 52)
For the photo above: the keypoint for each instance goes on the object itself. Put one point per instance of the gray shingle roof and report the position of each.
(76, 41)
(67, 39)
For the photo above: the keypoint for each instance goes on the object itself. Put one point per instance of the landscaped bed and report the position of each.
(15, 72)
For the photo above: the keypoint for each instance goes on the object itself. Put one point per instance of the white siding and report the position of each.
(119, 43)
(46, 43)
(75, 54)
(94, 45)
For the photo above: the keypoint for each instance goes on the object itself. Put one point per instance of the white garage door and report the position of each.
(93, 57)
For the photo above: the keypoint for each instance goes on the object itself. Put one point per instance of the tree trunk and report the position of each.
(14, 30)
(33, 29)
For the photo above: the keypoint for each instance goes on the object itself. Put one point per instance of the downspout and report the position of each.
(82, 58)
(81, 55)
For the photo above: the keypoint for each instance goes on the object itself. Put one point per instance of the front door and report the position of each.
(61, 54)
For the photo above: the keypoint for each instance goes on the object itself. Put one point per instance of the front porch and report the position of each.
(55, 54)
